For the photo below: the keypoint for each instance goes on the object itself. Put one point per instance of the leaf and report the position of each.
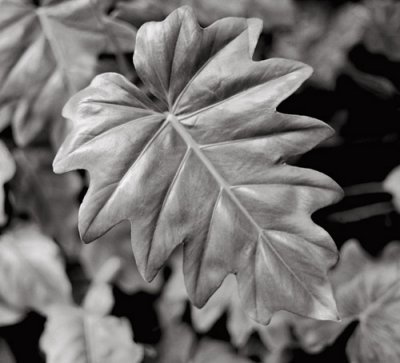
(207, 168)
(392, 186)
(117, 244)
(99, 298)
(176, 350)
(49, 52)
(226, 299)
(138, 12)
(383, 33)
(33, 275)
(216, 352)
(51, 200)
(188, 349)
(7, 170)
(6, 114)
(322, 38)
(370, 296)
(73, 336)
(274, 13)
(5, 354)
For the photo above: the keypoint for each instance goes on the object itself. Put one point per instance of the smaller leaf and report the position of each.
(322, 38)
(372, 297)
(74, 336)
(5, 354)
(48, 52)
(176, 350)
(7, 170)
(117, 244)
(51, 200)
(216, 352)
(33, 275)
(10, 315)
(99, 298)
(383, 33)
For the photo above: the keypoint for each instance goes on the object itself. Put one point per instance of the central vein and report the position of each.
(194, 146)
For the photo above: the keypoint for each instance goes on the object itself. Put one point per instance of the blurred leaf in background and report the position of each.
(75, 336)
(368, 291)
(50, 200)
(48, 52)
(7, 170)
(33, 274)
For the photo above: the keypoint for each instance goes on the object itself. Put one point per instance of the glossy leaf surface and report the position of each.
(206, 166)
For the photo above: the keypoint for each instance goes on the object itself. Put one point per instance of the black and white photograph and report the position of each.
(199, 181)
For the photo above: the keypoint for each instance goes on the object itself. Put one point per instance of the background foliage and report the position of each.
(63, 301)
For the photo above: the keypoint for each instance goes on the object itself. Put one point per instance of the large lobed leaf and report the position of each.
(49, 52)
(205, 166)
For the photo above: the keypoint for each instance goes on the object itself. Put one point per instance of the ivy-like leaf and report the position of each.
(206, 166)
(370, 295)
(33, 274)
(75, 336)
(50, 51)
(7, 170)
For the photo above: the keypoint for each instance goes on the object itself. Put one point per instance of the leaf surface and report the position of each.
(218, 352)
(74, 336)
(372, 297)
(314, 38)
(33, 275)
(392, 185)
(7, 170)
(49, 199)
(206, 166)
(174, 299)
(49, 52)
(383, 34)
(274, 13)
(117, 244)
(5, 354)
